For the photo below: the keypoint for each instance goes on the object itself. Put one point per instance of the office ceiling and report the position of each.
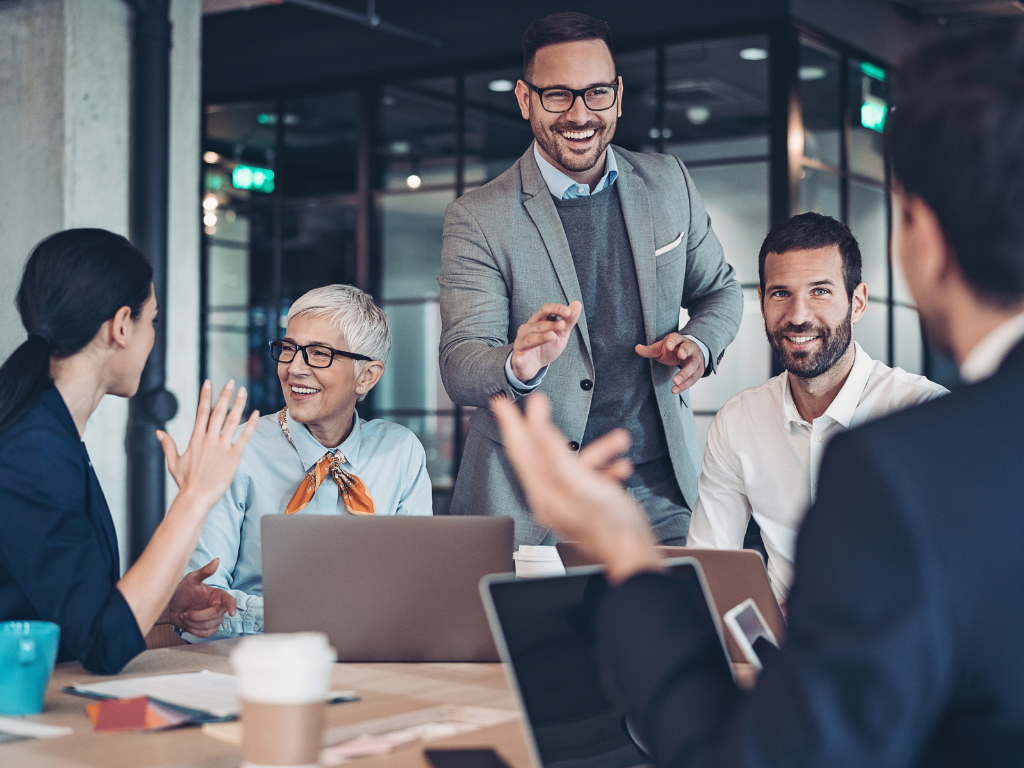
(255, 48)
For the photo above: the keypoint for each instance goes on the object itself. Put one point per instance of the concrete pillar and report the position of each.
(65, 105)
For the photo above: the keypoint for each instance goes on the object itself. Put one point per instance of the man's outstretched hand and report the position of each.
(196, 607)
(676, 349)
(540, 340)
(578, 496)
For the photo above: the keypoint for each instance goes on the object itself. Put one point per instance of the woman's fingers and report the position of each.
(234, 416)
(220, 410)
(202, 411)
(250, 427)
(170, 452)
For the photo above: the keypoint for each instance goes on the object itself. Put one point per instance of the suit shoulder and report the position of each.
(39, 435)
(650, 164)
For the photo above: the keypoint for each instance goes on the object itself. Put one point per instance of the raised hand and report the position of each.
(676, 349)
(205, 470)
(539, 341)
(196, 607)
(576, 498)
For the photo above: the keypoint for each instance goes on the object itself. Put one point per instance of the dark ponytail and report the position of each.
(74, 282)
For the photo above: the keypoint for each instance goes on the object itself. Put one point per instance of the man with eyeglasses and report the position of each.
(316, 456)
(566, 274)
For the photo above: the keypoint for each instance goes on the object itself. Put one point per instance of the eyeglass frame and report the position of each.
(577, 93)
(303, 347)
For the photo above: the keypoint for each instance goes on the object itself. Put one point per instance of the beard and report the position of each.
(835, 341)
(564, 154)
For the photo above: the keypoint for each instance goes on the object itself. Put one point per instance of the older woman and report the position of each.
(316, 456)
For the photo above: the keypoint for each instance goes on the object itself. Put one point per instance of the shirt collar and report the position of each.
(843, 407)
(564, 188)
(989, 353)
(311, 451)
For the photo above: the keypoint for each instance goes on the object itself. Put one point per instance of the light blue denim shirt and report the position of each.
(564, 188)
(386, 456)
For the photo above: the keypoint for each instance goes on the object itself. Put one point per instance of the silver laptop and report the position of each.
(385, 588)
(545, 630)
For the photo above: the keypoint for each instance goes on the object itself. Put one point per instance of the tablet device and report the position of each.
(545, 630)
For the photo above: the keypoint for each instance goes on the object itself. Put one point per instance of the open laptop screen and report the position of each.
(548, 629)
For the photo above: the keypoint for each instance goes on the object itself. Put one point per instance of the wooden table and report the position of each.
(385, 689)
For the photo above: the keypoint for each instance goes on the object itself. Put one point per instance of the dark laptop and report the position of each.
(385, 588)
(545, 631)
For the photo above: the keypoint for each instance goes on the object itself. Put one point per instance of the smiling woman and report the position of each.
(316, 456)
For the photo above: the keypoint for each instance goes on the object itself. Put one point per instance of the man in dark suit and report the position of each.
(905, 635)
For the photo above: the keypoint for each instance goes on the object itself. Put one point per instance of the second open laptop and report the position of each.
(385, 588)
(732, 575)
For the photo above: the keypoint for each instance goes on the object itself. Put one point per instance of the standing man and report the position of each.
(567, 273)
(765, 445)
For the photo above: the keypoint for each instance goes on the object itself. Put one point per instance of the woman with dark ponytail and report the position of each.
(86, 300)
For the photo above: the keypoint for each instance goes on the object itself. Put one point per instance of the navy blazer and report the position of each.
(58, 549)
(906, 630)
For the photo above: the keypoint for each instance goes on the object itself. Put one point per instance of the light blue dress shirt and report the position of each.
(387, 457)
(564, 188)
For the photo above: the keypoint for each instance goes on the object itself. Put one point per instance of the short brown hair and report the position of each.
(566, 27)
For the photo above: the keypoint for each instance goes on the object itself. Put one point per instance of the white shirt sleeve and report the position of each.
(533, 383)
(722, 511)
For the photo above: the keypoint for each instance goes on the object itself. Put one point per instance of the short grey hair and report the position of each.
(361, 323)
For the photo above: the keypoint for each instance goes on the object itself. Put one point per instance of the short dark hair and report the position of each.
(567, 27)
(813, 230)
(957, 142)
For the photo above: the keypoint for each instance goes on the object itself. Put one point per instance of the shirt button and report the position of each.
(573, 445)
(817, 438)
(586, 385)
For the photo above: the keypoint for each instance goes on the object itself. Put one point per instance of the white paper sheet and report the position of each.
(32, 730)
(206, 691)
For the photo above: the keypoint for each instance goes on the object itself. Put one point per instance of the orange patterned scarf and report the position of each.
(352, 491)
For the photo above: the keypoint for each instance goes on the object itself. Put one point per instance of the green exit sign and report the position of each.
(872, 113)
(256, 179)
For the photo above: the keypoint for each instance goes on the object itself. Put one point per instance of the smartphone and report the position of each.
(748, 628)
(464, 758)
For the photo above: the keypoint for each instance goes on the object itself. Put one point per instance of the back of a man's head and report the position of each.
(957, 142)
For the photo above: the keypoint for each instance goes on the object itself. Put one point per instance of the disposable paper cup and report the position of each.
(283, 681)
(535, 561)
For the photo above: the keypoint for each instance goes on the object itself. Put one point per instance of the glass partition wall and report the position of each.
(351, 186)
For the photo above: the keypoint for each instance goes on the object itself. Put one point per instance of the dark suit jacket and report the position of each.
(58, 549)
(906, 624)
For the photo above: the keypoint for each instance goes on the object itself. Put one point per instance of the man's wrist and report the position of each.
(519, 384)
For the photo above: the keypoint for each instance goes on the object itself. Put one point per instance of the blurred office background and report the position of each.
(314, 146)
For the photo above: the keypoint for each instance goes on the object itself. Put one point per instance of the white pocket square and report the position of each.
(666, 248)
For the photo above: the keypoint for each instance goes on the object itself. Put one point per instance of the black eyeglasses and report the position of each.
(597, 98)
(315, 355)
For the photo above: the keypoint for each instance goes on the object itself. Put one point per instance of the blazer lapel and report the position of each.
(541, 208)
(636, 210)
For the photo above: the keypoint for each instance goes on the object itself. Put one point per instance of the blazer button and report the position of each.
(586, 385)
(573, 445)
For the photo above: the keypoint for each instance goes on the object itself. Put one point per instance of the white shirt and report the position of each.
(762, 458)
(989, 353)
(562, 187)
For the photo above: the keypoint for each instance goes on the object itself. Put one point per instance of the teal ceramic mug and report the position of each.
(28, 650)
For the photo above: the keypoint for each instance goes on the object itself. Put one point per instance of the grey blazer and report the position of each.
(505, 254)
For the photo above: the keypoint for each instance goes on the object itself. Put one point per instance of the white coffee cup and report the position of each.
(534, 561)
(283, 680)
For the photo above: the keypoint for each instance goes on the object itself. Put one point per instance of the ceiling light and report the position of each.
(210, 202)
(400, 147)
(211, 157)
(698, 115)
(812, 73)
(210, 219)
(501, 86)
(753, 54)
(413, 182)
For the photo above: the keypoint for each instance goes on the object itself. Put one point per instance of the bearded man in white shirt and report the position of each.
(765, 445)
